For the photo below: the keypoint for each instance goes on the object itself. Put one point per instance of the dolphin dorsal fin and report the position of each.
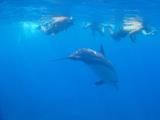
(102, 50)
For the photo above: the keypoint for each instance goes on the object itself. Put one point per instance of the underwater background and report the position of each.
(33, 87)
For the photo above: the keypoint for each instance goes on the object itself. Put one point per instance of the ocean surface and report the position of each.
(34, 87)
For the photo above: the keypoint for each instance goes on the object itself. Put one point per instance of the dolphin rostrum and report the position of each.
(102, 67)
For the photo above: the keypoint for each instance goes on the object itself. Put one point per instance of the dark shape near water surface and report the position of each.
(102, 67)
(96, 27)
(57, 25)
(131, 28)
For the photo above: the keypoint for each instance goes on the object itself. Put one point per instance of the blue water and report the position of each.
(32, 87)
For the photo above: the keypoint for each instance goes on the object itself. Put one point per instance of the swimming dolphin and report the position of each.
(102, 67)
(96, 27)
(57, 25)
(130, 27)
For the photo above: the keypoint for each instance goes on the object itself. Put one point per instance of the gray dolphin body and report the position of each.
(57, 25)
(102, 67)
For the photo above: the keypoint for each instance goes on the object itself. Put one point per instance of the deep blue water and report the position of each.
(34, 88)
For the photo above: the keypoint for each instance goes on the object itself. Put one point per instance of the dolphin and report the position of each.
(96, 27)
(101, 66)
(57, 25)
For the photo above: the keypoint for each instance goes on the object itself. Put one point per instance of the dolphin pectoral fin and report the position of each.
(99, 82)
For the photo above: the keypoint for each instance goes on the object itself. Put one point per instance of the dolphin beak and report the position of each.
(74, 57)
(71, 57)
